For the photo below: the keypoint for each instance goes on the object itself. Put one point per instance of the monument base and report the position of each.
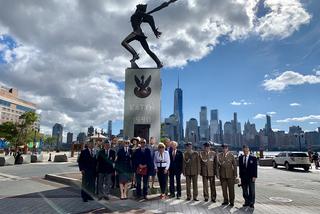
(142, 104)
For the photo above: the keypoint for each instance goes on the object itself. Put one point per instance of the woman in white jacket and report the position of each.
(162, 164)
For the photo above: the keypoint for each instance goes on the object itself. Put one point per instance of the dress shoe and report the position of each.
(178, 197)
(106, 198)
(213, 201)
(206, 200)
(252, 206)
(231, 204)
(85, 200)
(195, 199)
(188, 199)
(245, 205)
(224, 203)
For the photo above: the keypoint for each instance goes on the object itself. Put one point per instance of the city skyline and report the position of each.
(262, 58)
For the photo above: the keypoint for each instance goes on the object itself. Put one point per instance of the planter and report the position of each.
(26, 159)
(60, 158)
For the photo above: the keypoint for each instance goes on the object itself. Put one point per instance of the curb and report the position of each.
(63, 180)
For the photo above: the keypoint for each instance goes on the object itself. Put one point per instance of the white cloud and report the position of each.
(276, 23)
(271, 113)
(295, 104)
(259, 116)
(289, 78)
(312, 123)
(300, 119)
(68, 58)
(240, 103)
(263, 116)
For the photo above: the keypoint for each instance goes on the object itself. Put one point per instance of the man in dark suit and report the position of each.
(175, 170)
(142, 166)
(248, 174)
(105, 169)
(87, 166)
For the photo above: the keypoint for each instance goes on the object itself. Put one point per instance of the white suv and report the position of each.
(292, 160)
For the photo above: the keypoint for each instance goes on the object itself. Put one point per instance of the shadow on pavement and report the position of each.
(62, 200)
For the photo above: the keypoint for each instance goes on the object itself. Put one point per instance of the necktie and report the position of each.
(174, 154)
(245, 161)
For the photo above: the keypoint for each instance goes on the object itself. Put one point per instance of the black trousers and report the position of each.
(162, 178)
(248, 190)
(145, 179)
(88, 185)
(176, 176)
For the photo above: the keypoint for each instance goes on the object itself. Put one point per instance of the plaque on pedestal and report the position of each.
(142, 103)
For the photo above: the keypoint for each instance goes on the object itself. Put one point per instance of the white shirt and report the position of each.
(161, 161)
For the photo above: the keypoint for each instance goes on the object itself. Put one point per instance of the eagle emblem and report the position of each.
(142, 90)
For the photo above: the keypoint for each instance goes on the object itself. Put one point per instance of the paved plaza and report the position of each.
(24, 190)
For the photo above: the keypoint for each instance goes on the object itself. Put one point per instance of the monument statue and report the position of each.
(141, 15)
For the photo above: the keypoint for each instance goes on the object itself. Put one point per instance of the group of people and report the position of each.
(137, 161)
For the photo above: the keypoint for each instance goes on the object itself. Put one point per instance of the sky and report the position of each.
(253, 57)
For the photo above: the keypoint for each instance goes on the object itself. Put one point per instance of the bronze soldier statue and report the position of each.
(141, 15)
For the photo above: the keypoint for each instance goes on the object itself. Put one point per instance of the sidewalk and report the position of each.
(277, 191)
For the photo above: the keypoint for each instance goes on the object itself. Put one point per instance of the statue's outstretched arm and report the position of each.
(165, 4)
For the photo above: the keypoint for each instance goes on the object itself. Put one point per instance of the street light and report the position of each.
(299, 136)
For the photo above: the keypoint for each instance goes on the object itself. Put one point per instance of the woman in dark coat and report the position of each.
(124, 168)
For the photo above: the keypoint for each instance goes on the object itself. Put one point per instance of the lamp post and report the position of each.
(299, 136)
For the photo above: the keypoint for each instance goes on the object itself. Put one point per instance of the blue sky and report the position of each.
(235, 71)
(265, 62)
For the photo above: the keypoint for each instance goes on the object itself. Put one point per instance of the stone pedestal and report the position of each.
(142, 103)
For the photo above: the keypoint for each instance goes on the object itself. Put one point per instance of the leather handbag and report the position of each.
(142, 170)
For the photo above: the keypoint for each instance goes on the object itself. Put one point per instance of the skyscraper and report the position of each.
(178, 110)
(192, 132)
(109, 129)
(220, 132)
(268, 125)
(214, 126)
(170, 127)
(204, 125)
(214, 114)
(69, 137)
(236, 131)
(81, 138)
(57, 132)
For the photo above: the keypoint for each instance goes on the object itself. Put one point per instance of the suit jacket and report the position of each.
(124, 161)
(209, 164)
(176, 164)
(105, 162)
(86, 161)
(249, 171)
(143, 158)
(227, 165)
(191, 163)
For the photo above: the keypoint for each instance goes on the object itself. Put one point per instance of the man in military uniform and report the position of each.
(191, 169)
(208, 162)
(227, 174)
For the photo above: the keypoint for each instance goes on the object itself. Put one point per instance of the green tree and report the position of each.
(27, 120)
(50, 141)
(9, 131)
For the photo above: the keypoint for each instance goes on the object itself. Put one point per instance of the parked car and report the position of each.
(292, 160)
